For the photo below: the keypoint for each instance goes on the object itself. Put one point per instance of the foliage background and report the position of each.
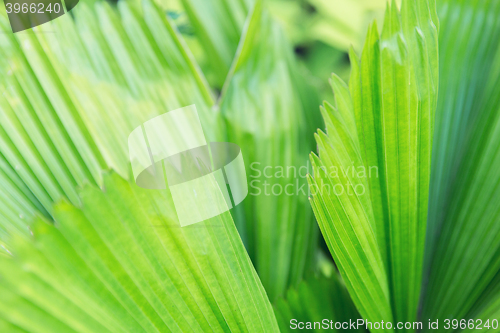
(79, 255)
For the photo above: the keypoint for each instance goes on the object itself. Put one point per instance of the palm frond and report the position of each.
(218, 24)
(463, 245)
(123, 263)
(382, 128)
(74, 89)
(265, 115)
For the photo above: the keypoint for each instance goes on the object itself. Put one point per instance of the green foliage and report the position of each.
(266, 106)
(84, 249)
(218, 26)
(264, 113)
(106, 73)
(123, 263)
(374, 224)
(71, 97)
(336, 23)
(303, 304)
(463, 245)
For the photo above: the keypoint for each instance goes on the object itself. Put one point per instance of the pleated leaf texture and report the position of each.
(122, 263)
(88, 251)
(462, 255)
(74, 90)
(370, 183)
(269, 120)
(107, 261)
(218, 24)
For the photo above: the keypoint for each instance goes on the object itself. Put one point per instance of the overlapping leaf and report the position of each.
(122, 263)
(256, 54)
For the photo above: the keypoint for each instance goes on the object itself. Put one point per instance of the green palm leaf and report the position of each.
(56, 85)
(280, 233)
(87, 251)
(264, 114)
(218, 25)
(463, 244)
(487, 307)
(375, 228)
(122, 263)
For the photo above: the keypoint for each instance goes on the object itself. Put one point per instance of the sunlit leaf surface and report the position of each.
(371, 180)
(123, 263)
(73, 90)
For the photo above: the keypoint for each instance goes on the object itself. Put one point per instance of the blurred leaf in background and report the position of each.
(264, 114)
(302, 304)
(337, 23)
(213, 29)
(322, 31)
(463, 245)
(268, 107)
